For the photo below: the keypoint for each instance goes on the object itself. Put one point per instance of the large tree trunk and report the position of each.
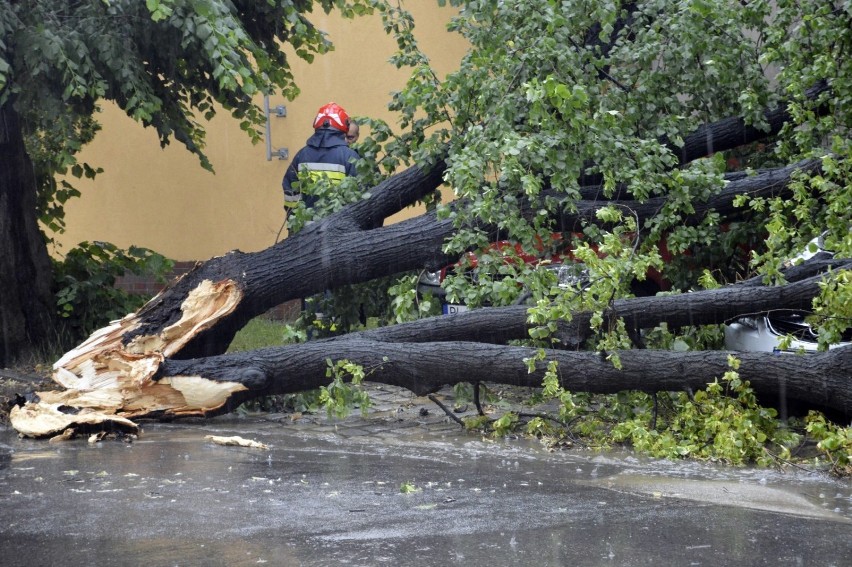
(26, 302)
(214, 385)
(821, 380)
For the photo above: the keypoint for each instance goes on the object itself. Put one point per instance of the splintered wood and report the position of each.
(236, 441)
(108, 384)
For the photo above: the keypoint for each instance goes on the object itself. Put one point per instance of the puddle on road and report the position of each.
(807, 494)
(721, 493)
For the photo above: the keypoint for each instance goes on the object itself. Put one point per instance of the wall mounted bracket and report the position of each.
(279, 111)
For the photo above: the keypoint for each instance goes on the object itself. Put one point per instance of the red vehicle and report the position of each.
(557, 257)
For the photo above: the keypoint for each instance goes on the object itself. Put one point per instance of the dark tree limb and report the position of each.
(215, 385)
(498, 325)
(329, 253)
(725, 134)
(732, 133)
(820, 380)
(771, 183)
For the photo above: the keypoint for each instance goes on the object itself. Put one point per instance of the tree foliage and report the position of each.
(556, 97)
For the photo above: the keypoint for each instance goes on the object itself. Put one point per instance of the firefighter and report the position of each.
(326, 154)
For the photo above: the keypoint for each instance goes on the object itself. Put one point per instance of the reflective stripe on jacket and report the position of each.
(333, 171)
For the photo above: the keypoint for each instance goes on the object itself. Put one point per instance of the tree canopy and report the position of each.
(657, 106)
(166, 63)
(556, 96)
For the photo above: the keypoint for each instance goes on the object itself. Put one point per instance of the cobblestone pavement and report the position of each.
(394, 412)
(397, 412)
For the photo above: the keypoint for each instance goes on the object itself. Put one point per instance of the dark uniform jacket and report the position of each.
(326, 154)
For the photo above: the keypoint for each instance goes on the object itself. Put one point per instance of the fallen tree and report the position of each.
(130, 370)
(523, 131)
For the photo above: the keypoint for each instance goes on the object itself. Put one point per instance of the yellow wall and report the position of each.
(162, 199)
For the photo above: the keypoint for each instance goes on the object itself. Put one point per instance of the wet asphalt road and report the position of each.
(330, 495)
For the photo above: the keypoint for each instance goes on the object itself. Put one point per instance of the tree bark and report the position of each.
(734, 132)
(730, 133)
(341, 249)
(26, 301)
(499, 325)
(820, 380)
(769, 183)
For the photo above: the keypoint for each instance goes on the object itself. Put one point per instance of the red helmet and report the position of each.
(332, 115)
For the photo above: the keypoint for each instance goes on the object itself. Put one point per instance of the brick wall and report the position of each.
(147, 285)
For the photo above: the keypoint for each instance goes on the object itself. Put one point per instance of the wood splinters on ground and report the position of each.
(64, 436)
(236, 442)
